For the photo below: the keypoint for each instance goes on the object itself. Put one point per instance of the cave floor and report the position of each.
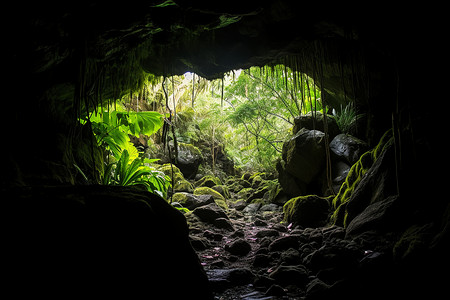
(260, 257)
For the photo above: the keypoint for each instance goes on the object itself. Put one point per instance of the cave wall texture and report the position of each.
(60, 59)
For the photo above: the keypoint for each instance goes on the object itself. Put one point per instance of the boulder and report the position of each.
(307, 211)
(189, 159)
(191, 201)
(209, 213)
(304, 155)
(380, 215)
(238, 247)
(208, 181)
(103, 241)
(290, 275)
(363, 181)
(347, 148)
(284, 243)
(218, 198)
(223, 223)
(378, 184)
(179, 183)
(289, 184)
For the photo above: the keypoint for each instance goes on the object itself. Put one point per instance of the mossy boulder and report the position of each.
(307, 211)
(189, 159)
(179, 183)
(276, 193)
(257, 181)
(245, 193)
(218, 198)
(223, 190)
(208, 181)
(354, 177)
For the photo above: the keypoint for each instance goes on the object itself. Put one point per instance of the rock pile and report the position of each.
(302, 169)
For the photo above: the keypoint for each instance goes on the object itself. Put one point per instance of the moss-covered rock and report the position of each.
(354, 177)
(180, 198)
(245, 193)
(307, 211)
(189, 159)
(276, 193)
(218, 198)
(179, 183)
(223, 190)
(208, 181)
(257, 181)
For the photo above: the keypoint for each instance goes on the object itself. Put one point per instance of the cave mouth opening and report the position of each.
(220, 145)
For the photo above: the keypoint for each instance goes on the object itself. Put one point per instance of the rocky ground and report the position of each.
(257, 239)
(249, 253)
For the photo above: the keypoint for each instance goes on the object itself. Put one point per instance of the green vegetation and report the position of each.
(112, 130)
(246, 116)
(248, 113)
(347, 118)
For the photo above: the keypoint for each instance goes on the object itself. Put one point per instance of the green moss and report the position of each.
(260, 201)
(180, 184)
(180, 198)
(194, 150)
(354, 176)
(204, 190)
(183, 186)
(218, 198)
(222, 203)
(208, 181)
(223, 190)
(245, 193)
(167, 169)
(184, 210)
(257, 181)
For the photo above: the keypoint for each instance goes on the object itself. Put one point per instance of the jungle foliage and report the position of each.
(123, 164)
(248, 114)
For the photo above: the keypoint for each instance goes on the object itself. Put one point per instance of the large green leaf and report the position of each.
(149, 121)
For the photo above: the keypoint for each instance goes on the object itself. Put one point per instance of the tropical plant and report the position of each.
(347, 118)
(112, 130)
(126, 172)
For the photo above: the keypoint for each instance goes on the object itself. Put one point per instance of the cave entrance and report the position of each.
(220, 152)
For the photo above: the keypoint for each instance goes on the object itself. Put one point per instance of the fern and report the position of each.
(346, 119)
(126, 172)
